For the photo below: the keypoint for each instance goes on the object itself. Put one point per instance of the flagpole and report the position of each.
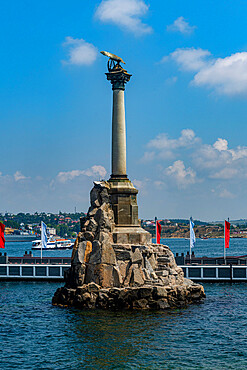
(190, 237)
(224, 242)
(42, 237)
(229, 232)
(155, 229)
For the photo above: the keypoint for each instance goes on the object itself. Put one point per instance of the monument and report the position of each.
(123, 193)
(114, 263)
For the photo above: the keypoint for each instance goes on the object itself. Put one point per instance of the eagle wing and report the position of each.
(112, 56)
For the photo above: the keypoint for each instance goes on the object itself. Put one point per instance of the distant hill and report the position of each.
(242, 221)
(186, 221)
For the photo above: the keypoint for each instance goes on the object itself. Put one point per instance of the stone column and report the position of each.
(122, 191)
(118, 78)
(118, 135)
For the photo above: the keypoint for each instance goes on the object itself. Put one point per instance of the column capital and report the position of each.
(118, 78)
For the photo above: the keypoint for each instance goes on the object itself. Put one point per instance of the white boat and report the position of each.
(53, 243)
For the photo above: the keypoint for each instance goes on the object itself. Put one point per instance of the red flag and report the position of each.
(158, 232)
(227, 234)
(2, 239)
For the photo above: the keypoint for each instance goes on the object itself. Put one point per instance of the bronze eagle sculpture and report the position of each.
(113, 57)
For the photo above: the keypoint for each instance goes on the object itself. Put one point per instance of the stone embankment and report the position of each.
(104, 274)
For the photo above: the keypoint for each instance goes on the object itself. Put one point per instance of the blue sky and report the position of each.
(185, 104)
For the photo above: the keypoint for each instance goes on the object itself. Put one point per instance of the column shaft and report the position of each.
(118, 134)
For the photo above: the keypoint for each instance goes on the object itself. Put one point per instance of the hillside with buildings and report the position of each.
(62, 224)
(180, 229)
(68, 225)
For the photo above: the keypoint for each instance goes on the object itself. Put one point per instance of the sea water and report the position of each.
(207, 247)
(209, 335)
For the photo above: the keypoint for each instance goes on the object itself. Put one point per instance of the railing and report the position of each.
(29, 259)
(229, 260)
(32, 272)
(215, 272)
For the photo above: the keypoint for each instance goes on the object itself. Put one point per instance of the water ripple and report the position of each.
(34, 334)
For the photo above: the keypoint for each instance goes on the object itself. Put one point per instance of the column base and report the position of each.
(124, 201)
(135, 235)
(118, 177)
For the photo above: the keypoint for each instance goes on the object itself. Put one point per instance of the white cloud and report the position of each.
(125, 14)
(214, 163)
(225, 174)
(165, 146)
(80, 52)
(148, 157)
(162, 141)
(220, 162)
(218, 155)
(239, 153)
(69, 175)
(208, 157)
(226, 194)
(5, 178)
(138, 183)
(141, 184)
(18, 176)
(182, 176)
(181, 25)
(189, 59)
(90, 172)
(227, 76)
(96, 170)
(159, 184)
(221, 144)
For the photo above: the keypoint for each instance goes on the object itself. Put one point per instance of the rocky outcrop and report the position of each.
(104, 274)
(145, 297)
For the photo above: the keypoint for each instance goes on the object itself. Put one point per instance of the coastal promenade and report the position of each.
(51, 272)
(28, 267)
(33, 268)
(54, 263)
(215, 273)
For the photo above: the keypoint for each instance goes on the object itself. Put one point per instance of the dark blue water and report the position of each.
(36, 335)
(18, 249)
(208, 247)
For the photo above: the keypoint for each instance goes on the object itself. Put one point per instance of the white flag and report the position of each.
(192, 234)
(43, 235)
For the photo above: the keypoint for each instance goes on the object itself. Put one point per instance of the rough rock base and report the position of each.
(146, 297)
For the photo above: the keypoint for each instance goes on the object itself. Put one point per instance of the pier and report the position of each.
(33, 268)
(215, 273)
(28, 267)
(213, 269)
(228, 260)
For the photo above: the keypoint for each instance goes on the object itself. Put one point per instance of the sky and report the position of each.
(186, 104)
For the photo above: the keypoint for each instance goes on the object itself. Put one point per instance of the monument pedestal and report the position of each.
(131, 235)
(127, 228)
(124, 202)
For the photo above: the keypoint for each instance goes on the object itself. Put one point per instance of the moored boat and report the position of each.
(53, 243)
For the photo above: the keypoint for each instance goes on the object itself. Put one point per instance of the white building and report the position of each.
(51, 230)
